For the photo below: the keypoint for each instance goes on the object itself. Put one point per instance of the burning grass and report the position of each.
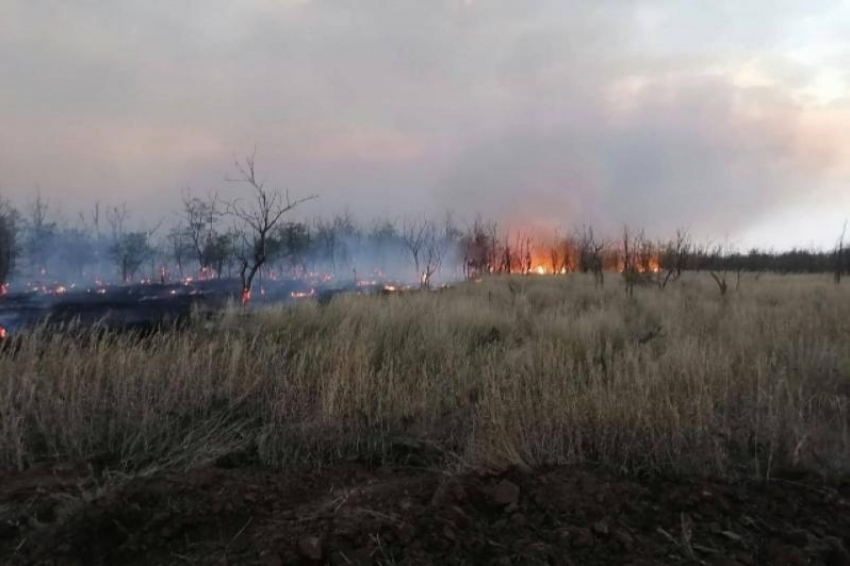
(511, 370)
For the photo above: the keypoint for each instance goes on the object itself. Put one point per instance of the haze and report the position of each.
(731, 118)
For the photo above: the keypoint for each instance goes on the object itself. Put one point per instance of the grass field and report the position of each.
(511, 370)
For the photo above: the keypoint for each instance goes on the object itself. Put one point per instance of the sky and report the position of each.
(728, 118)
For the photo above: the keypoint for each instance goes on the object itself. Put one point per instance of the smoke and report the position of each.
(538, 114)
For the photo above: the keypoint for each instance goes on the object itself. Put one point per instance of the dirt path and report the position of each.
(354, 515)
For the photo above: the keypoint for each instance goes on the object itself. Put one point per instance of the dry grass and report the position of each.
(522, 370)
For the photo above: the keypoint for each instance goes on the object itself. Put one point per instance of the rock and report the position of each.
(505, 493)
(311, 548)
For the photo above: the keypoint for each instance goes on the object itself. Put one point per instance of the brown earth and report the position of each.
(354, 514)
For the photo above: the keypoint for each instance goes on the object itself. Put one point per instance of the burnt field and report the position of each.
(151, 307)
(519, 419)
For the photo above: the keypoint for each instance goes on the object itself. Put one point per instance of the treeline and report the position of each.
(211, 238)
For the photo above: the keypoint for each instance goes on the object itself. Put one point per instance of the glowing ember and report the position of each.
(3, 333)
(302, 294)
(246, 296)
(4, 289)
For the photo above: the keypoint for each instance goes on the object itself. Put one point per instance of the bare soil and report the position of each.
(356, 514)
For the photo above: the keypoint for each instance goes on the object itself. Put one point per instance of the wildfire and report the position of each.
(654, 266)
(650, 265)
(4, 289)
(302, 294)
(246, 296)
(540, 270)
(3, 333)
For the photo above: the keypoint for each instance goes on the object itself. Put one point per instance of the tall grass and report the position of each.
(523, 370)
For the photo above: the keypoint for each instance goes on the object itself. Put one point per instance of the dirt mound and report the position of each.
(355, 515)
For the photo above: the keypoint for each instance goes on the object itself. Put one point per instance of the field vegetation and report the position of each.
(520, 370)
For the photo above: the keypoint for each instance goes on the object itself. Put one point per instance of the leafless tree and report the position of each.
(507, 256)
(718, 269)
(840, 253)
(560, 254)
(128, 249)
(627, 257)
(258, 217)
(679, 252)
(40, 233)
(591, 253)
(479, 249)
(200, 219)
(414, 234)
(180, 248)
(434, 252)
(524, 255)
(8, 242)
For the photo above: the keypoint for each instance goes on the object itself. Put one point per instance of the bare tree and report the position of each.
(681, 251)
(40, 233)
(479, 246)
(200, 217)
(435, 248)
(560, 254)
(128, 249)
(180, 248)
(630, 271)
(840, 253)
(8, 242)
(718, 269)
(523, 253)
(591, 254)
(507, 255)
(414, 234)
(258, 216)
